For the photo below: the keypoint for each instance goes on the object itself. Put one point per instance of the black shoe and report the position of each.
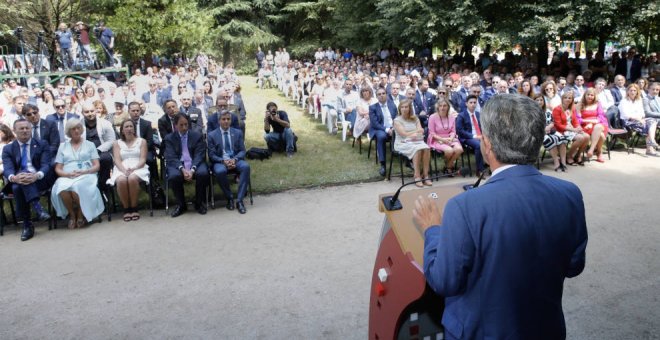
(43, 216)
(230, 204)
(241, 207)
(381, 171)
(28, 232)
(178, 211)
(201, 209)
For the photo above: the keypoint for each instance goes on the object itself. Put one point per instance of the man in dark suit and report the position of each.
(630, 67)
(194, 114)
(619, 89)
(227, 153)
(425, 102)
(468, 128)
(42, 129)
(381, 117)
(60, 117)
(185, 152)
(499, 253)
(27, 162)
(213, 117)
(395, 95)
(165, 123)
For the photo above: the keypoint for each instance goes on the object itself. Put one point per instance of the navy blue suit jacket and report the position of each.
(616, 95)
(464, 125)
(173, 151)
(217, 146)
(212, 122)
(160, 98)
(48, 132)
(502, 253)
(53, 117)
(376, 116)
(429, 98)
(635, 68)
(40, 157)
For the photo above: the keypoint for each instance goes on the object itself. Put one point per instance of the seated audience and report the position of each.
(130, 158)
(594, 123)
(185, 152)
(6, 137)
(102, 134)
(227, 154)
(442, 134)
(409, 141)
(26, 162)
(281, 137)
(566, 122)
(75, 193)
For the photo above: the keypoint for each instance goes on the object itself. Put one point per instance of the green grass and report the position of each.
(322, 159)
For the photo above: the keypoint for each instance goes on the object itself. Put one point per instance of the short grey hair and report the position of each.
(70, 124)
(515, 126)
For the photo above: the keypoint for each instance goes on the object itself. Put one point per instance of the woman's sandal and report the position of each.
(128, 217)
(81, 223)
(419, 184)
(135, 216)
(428, 182)
(72, 224)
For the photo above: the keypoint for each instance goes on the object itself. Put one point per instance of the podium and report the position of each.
(402, 305)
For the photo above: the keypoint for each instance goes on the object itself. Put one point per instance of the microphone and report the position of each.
(393, 203)
(476, 184)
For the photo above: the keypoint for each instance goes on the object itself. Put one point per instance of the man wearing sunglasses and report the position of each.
(42, 129)
(60, 117)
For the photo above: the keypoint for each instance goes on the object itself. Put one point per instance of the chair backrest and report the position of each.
(614, 118)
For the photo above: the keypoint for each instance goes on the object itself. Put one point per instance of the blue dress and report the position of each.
(91, 203)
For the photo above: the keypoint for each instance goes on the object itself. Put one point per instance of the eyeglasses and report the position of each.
(29, 114)
(88, 111)
(60, 106)
(381, 93)
(442, 92)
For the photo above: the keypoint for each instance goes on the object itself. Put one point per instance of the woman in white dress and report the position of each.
(130, 157)
(409, 141)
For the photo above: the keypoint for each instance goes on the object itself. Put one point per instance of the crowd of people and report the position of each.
(374, 95)
(83, 139)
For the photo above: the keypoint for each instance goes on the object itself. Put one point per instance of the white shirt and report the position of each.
(387, 116)
(631, 110)
(502, 168)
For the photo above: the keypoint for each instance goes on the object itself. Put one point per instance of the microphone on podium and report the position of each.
(476, 184)
(393, 203)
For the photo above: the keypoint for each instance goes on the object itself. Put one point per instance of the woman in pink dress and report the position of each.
(442, 134)
(593, 121)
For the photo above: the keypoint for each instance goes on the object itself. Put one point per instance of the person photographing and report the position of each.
(499, 253)
(281, 137)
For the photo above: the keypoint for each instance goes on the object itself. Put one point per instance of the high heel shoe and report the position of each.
(558, 168)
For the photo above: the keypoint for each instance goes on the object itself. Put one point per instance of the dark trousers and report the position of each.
(105, 162)
(175, 179)
(242, 169)
(478, 158)
(381, 139)
(24, 195)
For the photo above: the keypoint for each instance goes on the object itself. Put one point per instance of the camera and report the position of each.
(18, 32)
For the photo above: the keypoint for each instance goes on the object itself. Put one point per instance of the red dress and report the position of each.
(593, 114)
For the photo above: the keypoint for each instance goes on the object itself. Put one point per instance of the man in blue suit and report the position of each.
(60, 117)
(424, 103)
(468, 128)
(27, 162)
(381, 117)
(42, 129)
(153, 96)
(227, 153)
(185, 152)
(499, 253)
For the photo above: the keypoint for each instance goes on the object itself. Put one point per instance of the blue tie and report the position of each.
(24, 157)
(60, 127)
(227, 147)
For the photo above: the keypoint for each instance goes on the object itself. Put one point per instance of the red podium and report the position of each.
(402, 305)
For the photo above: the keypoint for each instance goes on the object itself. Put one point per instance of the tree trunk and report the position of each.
(602, 37)
(542, 55)
(468, 42)
(226, 52)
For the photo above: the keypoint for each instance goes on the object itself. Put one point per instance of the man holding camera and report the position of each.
(82, 34)
(107, 39)
(281, 138)
(63, 44)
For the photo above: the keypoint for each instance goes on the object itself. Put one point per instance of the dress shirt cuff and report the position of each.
(180, 167)
(9, 178)
(194, 168)
(40, 175)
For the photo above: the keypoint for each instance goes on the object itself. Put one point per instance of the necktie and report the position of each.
(60, 127)
(185, 153)
(24, 158)
(35, 132)
(227, 147)
(475, 123)
(424, 103)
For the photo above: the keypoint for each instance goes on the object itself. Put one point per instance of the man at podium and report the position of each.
(499, 253)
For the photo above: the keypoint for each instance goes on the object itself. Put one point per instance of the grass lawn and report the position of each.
(322, 159)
